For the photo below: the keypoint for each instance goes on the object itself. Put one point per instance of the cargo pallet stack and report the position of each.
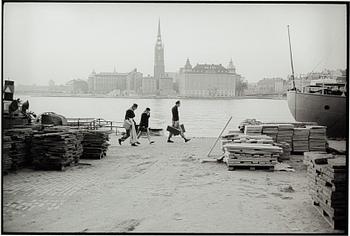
(286, 150)
(95, 144)
(20, 139)
(248, 155)
(6, 158)
(317, 138)
(328, 188)
(285, 133)
(54, 148)
(252, 130)
(301, 140)
(270, 130)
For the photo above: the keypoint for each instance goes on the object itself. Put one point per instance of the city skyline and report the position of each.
(61, 42)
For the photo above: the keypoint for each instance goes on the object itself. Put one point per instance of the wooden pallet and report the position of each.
(334, 223)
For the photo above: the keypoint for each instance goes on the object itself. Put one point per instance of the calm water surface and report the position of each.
(202, 118)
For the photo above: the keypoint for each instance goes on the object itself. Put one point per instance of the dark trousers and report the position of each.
(126, 135)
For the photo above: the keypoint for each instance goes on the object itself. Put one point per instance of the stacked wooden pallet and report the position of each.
(301, 140)
(20, 145)
(270, 130)
(286, 149)
(317, 138)
(251, 155)
(285, 133)
(248, 122)
(54, 148)
(78, 151)
(6, 158)
(328, 188)
(95, 144)
(253, 129)
(242, 138)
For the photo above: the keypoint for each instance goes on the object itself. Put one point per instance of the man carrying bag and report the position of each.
(176, 123)
(130, 126)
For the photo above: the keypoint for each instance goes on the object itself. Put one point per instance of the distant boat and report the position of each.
(323, 101)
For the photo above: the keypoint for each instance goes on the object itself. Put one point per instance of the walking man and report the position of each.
(143, 127)
(176, 123)
(129, 125)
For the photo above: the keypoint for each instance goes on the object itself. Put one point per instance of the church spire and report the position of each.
(159, 28)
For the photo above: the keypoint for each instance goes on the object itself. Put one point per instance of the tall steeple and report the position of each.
(159, 36)
(159, 68)
(231, 68)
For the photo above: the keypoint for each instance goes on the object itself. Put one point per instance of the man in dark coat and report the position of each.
(176, 122)
(144, 123)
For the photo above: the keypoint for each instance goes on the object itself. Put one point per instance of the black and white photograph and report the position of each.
(174, 117)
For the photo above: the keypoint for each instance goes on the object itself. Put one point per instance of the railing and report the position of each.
(94, 124)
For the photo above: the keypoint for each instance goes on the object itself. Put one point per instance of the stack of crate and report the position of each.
(20, 139)
(251, 155)
(317, 138)
(6, 158)
(285, 155)
(95, 144)
(55, 148)
(285, 133)
(253, 129)
(328, 187)
(301, 139)
(270, 130)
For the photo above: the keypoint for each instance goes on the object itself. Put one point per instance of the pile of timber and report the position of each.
(248, 122)
(55, 148)
(242, 138)
(251, 155)
(286, 149)
(95, 144)
(252, 130)
(317, 138)
(17, 147)
(301, 140)
(270, 130)
(6, 158)
(285, 133)
(328, 187)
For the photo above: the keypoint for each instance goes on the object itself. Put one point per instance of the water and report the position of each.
(202, 118)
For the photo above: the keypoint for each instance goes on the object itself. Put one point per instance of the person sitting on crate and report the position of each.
(176, 123)
(130, 126)
(143, 126)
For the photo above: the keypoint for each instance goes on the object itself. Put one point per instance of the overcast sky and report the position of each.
(44, 41)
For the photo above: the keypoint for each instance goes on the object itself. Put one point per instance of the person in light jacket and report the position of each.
(130, 126)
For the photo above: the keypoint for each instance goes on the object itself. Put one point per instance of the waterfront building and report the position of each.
(166, 86)
(77, 86)
(272, 86)
(159, 68)
(204, 80)
(149, 85)
(134, 83)
(106, 82)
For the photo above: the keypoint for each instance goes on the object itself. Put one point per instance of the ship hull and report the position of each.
(327, 110)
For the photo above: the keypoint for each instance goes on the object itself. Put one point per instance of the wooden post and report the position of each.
(219, 136)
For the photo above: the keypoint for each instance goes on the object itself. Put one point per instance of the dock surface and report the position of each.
(160, 188)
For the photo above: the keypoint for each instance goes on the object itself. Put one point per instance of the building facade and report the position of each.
(105, 82)
(159, 67)
(134, 83)
(207, 80)
(149, 85)
(272, 86)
